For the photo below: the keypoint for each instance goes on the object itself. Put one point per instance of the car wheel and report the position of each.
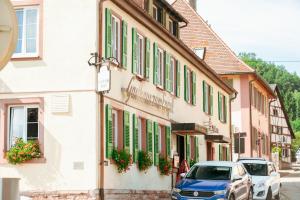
(231, 197)
(250, 195)
(277, 197)
(269, 194)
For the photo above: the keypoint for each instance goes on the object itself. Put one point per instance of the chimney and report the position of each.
(193, 3)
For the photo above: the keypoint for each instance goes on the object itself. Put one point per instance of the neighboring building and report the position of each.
(163, 98)
(250, 114)
(282, 132)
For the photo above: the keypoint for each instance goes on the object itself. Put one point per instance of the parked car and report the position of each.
(215, 180)
(265, 178)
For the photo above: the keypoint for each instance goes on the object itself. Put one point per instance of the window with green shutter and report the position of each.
(147, 61)
(222, 107)
(178, 78)
(134, 51)
(108, 127)
(204, 96)
(149, 137)
(155, 63)
(126, 130)
(211, 105)
(220, 152)
(156, 143)
(194, 88)
(124, 44)
(188, 148)
(168, 141)
(135, 137)
(108, 33)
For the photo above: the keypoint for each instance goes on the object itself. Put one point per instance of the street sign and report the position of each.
(104, 78)
(8, 32)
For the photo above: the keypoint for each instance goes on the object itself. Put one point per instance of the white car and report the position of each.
(265, 179)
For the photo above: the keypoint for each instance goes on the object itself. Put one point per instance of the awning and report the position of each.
(188, 128)
(217, 138)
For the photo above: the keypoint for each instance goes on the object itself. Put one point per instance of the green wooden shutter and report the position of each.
(194, 88)
(156, 153)
(219, 104)
(134, 49)
(149, 137)
(211, 109)
(204, 96)
(228, 153)
(168, 141)
(188, 148)
(147, 61)
(109, 140)
(167, 71)
(197, 149)
(124, 44)
(185, 84)
(225, 109)
(126, 131)
(178, 78)
(155, 63)
(135, 137)
(108, 35)
(220, 152)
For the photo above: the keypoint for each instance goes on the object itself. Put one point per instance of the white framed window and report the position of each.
(116, 35)
(115, 127)
(223, 108)
(28, 32)
(160, 67)
(140, 130)
(140, 54)
(23, 122)
(155, 16)
(172, 75)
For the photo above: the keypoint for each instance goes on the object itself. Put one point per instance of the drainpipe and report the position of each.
(250, 111)
(101, 109)
(270, 127)
(230, 122)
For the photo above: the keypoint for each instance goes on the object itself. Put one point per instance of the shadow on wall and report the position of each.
(4, 87)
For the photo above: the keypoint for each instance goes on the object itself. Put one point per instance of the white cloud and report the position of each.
(270, 28)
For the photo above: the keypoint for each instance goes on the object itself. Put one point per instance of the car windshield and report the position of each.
(209, 173)
(256, 169)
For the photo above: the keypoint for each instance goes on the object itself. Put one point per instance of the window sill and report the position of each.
(139, 77)
(33, 161)
(26, 58)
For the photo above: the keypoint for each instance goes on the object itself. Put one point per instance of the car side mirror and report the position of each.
(182, 175)
(237, 178)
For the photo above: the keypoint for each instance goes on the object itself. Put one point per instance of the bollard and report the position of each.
(9, 189)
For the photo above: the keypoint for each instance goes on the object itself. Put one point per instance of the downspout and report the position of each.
(270, 127)
(250, 111)
(101, 109)
(230, 123)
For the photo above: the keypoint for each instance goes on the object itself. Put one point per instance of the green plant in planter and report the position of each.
(22, 151)
(277, 150)
(192, 162)
(165, 166)
(122, 159)
(144, 161)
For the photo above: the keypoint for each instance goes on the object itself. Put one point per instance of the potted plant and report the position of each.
(22, 151)
(165, 166)
(144, 161)
(192, 162)
(121, 159)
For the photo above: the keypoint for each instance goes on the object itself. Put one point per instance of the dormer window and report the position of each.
(158, 14)
(200, 52)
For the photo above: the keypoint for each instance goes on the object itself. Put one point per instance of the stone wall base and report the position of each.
(94, 195)
(136, 194)
(60, 195)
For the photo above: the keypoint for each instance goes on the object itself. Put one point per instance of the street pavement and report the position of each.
(290, 180)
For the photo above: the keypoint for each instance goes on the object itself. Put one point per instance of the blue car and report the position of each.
(215, 180)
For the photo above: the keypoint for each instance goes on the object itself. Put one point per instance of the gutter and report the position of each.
(250, 111)
(230, 124)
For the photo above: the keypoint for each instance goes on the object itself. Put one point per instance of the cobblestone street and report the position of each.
(290, 185)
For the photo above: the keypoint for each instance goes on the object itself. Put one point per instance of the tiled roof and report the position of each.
(199, 34)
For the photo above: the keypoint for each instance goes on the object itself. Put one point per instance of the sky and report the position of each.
(268, 28)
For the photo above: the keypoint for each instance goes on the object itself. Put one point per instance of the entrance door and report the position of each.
(180, 147)
(209, 151)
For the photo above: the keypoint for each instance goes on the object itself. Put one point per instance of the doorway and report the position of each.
(180, 147)
(209, 151)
